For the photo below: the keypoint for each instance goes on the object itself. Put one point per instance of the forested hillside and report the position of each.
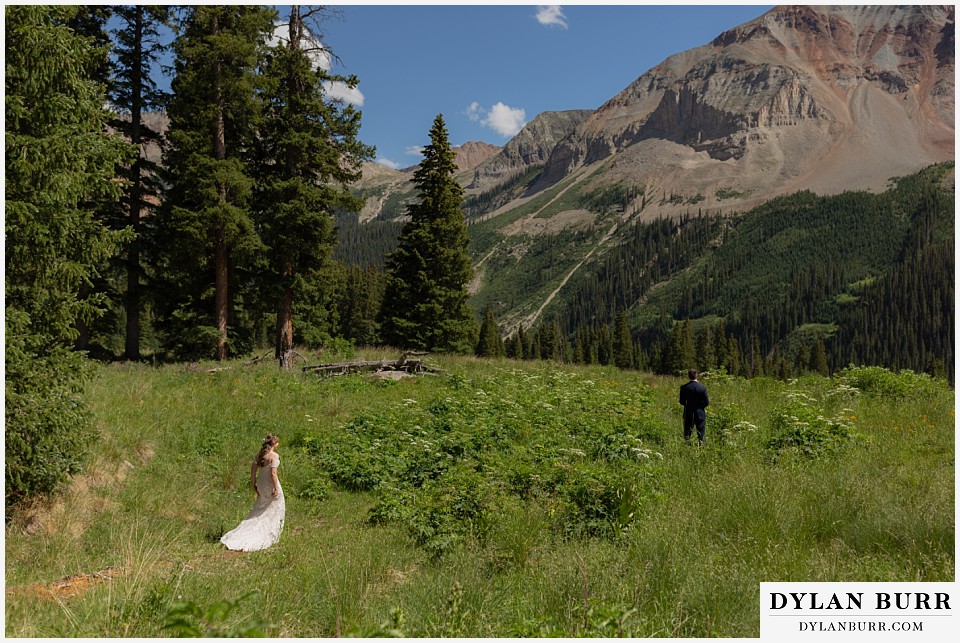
(869, 275)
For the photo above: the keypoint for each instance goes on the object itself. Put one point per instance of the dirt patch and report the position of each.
(67, 587)
(536, 226)
(72, 511)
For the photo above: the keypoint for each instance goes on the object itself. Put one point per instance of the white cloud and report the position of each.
(317, 52)
(501, 118)
(551, 15)
(385, 162)
(474, 111)
(341, 91)
(320, 57)
(415, 150)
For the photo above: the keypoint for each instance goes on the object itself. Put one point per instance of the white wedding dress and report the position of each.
(262, 526)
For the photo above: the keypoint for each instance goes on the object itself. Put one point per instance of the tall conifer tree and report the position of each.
(206, 227)
(425, 304)
(59, 164)
(308, 153)
(490, 343)
(622, 342)
(134, 92)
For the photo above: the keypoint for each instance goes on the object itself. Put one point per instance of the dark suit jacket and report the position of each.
(693, 396)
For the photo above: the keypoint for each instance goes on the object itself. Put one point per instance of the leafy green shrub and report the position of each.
(442, 468)
(599, 501)
(619, 445)
(447, 509)
(730, 425)
(799, 426)
(881, 382)
(187, 619)
(48, 432)
(316, 489)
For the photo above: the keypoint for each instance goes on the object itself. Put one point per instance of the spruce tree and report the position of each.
(134, 91)
(425, 304)
(59, 166)
(704, 349)
(622, 343)
(490, 343)
(818, 359)
(521, 343)
(307, 154)
(206, 230)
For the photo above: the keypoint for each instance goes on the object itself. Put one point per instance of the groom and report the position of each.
(693, 397)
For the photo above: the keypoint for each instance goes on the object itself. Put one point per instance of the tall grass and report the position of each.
(170, 473)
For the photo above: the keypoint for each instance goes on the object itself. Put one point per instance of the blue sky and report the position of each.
(491, 68)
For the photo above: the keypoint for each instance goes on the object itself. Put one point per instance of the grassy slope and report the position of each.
(169, 476)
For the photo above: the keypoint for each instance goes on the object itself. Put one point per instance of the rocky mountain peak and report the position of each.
(473, 153)
(803, 97)
(532, 146)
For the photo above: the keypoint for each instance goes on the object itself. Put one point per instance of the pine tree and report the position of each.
(622, 343)
(490, 343)
(134, 91)
(59, 166)
(605, 346)
(90, 23)
(307, 154)
(734, 356)
(425, 304)
(206, 230)
(720, 346)
(524, 343)
(756, 358)
(679, 355)
(818, 359)
(704, 345)
(359, 304)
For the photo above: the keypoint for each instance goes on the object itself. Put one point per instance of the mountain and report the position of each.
(803, 97)
(532, 146)
(819, 98)
(473, 153)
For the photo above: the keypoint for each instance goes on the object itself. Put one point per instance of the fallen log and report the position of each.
(412, 366)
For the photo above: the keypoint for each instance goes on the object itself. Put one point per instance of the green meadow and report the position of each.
(497, 499)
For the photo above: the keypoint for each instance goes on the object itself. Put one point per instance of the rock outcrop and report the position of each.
(473, 153)
(532, 146)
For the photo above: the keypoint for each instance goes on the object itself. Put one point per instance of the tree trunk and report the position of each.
(221, 253)
(221, 285)
(284, 340)
(132, 304)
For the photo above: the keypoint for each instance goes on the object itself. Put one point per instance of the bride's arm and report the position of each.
(275, 480)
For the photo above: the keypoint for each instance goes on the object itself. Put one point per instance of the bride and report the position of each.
(262, 526)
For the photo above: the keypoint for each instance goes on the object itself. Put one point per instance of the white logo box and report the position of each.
(858, 611)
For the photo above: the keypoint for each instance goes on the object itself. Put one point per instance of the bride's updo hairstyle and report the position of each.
(268, 443)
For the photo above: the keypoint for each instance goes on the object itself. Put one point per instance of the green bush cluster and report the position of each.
(884, 383)
(187, 619)
(801, 425)
(730, 424)
(446, 467)
(48, 430)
